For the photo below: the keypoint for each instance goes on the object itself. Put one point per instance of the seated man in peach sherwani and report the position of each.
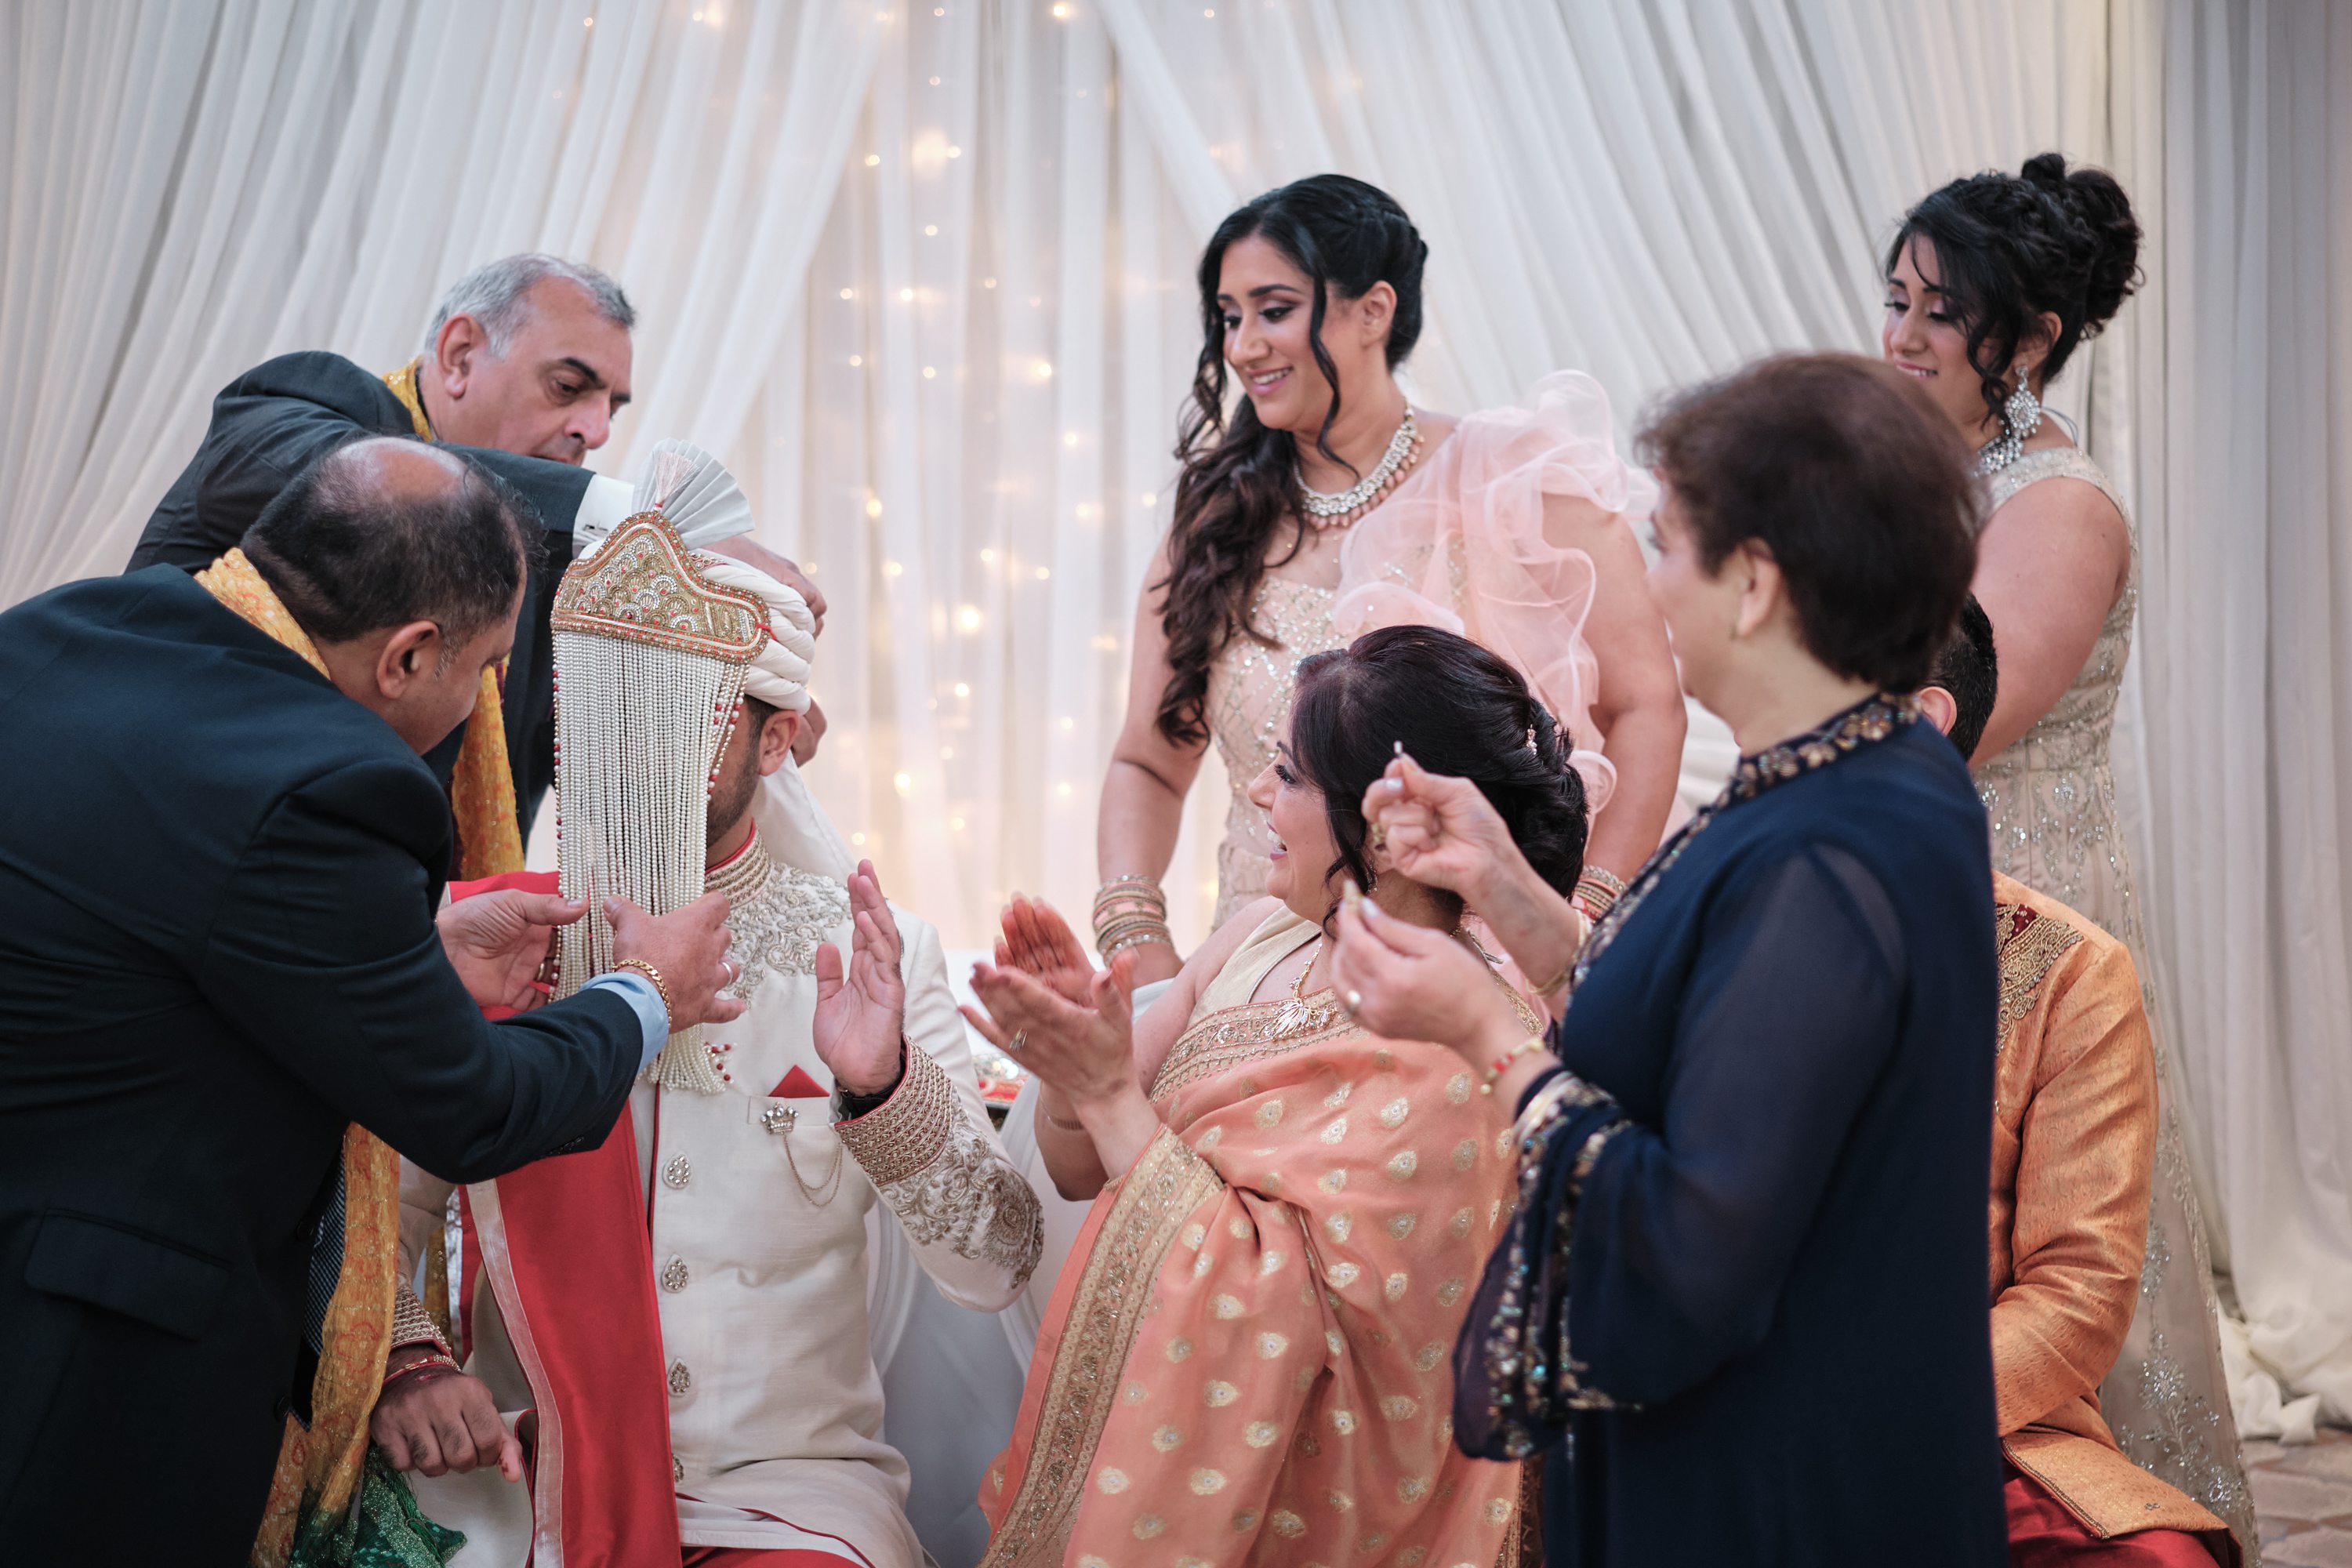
(2073, 1139)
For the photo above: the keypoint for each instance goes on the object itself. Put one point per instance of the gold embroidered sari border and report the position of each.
(1168, 1182)
(1232, 1036)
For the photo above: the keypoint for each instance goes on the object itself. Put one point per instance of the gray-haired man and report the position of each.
(526, 364)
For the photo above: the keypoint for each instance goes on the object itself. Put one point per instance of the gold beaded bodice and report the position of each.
(1250, 688)
(2051, 796)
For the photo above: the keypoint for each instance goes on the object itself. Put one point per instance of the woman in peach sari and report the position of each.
(1249, 1361)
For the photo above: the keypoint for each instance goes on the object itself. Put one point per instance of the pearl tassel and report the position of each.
(640, 734)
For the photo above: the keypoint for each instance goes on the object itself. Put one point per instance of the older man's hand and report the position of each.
(751, 553)
(497, 942)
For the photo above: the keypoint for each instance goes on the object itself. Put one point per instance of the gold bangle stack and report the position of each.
(1598, 889)
(1130, 910)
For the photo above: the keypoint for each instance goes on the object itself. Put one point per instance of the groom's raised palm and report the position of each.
(861, 1008)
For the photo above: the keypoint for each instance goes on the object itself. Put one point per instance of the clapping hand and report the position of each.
(1036, 940)
(1082, 1045)
(860, 1024)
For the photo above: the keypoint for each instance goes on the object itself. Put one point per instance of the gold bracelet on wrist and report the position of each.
(1546, 988)
(650, 973)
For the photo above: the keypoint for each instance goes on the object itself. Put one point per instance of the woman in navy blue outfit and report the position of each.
(1740, 1310)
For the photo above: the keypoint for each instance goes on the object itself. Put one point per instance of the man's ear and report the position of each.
(461, 343)
(1939, 707)
(776, 740)
(411, 655)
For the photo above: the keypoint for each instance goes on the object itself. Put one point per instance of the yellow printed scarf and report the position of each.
(481, 795)
(321, 1469)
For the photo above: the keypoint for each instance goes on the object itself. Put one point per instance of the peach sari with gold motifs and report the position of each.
(1254, 1362)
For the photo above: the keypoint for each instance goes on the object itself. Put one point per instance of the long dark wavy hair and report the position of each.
(1459, 711)
(2011, 247)
(1240, 479)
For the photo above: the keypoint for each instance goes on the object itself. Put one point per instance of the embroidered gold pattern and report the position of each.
(2030, 943)
(643, 586)
(899, 1138)
(411, 1323)
(1166, 1185)
(1235, 1035)
(780, 915)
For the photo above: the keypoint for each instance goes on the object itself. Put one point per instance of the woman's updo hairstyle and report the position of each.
(1458, 710)
(2010, 247)
(1239, 479)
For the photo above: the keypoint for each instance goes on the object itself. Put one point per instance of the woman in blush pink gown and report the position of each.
(1325, 506)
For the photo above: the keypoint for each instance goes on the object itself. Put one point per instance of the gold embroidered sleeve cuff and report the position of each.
(909, 1130)
(949, 1184)
(411, 1324)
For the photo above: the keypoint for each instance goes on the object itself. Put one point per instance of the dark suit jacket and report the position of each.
(217, 881)
(279, 417)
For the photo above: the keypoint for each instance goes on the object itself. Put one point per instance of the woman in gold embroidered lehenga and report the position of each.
(1993, 281)
(1510, 526)
(1248, 1360)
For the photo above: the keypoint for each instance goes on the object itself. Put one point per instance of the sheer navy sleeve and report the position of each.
(1643, 1258)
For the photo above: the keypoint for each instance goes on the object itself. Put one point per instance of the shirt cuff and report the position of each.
(645, 1001)
(603, 507)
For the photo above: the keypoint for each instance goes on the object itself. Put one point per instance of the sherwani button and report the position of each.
(680, 1379)
(674, 1275)
(678, 1173)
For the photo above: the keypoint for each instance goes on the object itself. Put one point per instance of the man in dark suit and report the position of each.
(526, 364)
(219, 867)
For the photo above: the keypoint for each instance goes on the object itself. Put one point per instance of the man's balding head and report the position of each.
(407, 566)
(530, 354)
(385, 531)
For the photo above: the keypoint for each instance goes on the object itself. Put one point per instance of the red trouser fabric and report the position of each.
(2043, 1535)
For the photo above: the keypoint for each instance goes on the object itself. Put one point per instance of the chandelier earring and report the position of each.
(2021, 416)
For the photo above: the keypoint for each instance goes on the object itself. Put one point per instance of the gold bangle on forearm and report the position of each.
(1546, 988)
(1159, 937)
(1598, 889)
(1129, 909)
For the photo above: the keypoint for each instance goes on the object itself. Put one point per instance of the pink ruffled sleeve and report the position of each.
(1461, 545)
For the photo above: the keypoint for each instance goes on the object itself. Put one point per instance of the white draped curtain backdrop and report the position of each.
(922, 273)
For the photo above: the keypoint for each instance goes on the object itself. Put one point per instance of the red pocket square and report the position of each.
(797, 1085)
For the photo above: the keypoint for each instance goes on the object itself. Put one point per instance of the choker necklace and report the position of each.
(1322, 510)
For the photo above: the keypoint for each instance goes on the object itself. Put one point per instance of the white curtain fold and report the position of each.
(921, 271)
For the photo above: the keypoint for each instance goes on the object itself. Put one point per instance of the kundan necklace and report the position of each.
(1337, 510)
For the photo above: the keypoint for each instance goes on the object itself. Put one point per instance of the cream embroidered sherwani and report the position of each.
(759, 1209)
